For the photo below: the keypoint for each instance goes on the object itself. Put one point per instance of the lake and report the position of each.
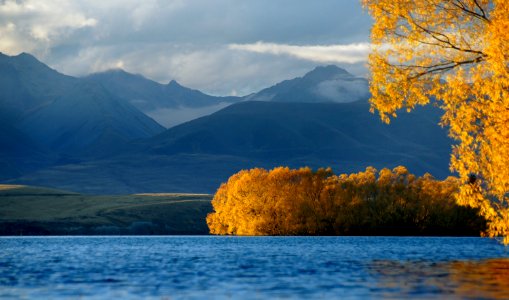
(212, 267)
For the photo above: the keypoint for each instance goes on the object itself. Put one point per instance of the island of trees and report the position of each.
(287, 201)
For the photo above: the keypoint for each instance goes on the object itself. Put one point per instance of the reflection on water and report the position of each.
(483, 279)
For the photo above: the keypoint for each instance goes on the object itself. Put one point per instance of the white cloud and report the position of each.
(35, 26)
(350, 53)
(169, 117)
(192, 41)
(343, 91)
(216, 71)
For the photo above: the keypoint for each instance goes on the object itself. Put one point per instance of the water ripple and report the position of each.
(252, 267)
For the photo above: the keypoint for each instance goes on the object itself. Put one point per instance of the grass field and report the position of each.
(26, 210)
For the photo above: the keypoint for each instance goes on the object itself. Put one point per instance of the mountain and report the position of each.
(148, 95)
(95, 134)
(200, 154)
(19, 154)
(169, 104)
(317, 134)
(47, 117)
(26, 84)
(323, 84)
(173, 104)
(87, 116)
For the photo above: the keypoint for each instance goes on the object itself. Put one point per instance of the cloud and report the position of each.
(169, 117)
(191, 41)
(343, 91)
(351, 53)
(216, 71)
(35, 26)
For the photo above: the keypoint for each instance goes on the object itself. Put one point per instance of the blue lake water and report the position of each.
(211, 267)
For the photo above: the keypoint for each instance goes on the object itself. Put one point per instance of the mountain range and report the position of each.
(169, 104)
(323, 84)
(108, 132)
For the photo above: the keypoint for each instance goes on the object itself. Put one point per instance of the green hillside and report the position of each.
(26, 210)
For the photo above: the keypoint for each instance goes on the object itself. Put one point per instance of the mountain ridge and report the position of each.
(89, 136)
(201, 154)
(81, 114)
(322, 84)
(157, 100)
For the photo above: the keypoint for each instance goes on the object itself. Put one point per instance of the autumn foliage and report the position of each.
(454, 53)
(285, 201)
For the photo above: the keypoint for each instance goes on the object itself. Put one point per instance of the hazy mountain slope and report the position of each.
(88, 116)
(63, 114)
(323, 84)
(19, 154)
(40, 80)
(148, 95)
(285, 131)
(199, 155)
(141, 174)
(27, 84)
(169, 104)
(15, 99)
(86, 134)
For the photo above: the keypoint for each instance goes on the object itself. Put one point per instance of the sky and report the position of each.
(221, 47)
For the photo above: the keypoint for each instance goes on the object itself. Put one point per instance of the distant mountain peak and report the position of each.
(174, 83)
(174, 86)
(329, 72)
(330, 69)
(29, 58)
(24, 54)
(322, 84)
(23, 57)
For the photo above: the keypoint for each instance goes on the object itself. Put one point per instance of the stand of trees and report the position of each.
(286, 201)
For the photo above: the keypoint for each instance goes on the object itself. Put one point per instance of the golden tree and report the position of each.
(285, 201)
(456, 54)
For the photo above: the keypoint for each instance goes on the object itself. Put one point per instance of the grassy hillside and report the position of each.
(26, 210)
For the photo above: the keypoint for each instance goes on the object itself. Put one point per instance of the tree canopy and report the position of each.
(454, 53)
(283, 201)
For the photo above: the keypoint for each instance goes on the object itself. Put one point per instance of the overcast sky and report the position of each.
(222, 47)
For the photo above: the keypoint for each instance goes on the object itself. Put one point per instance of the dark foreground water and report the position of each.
(211, 267)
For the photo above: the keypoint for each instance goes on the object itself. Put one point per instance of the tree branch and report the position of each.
(437, 35)
(459, 4)
(446, 67)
